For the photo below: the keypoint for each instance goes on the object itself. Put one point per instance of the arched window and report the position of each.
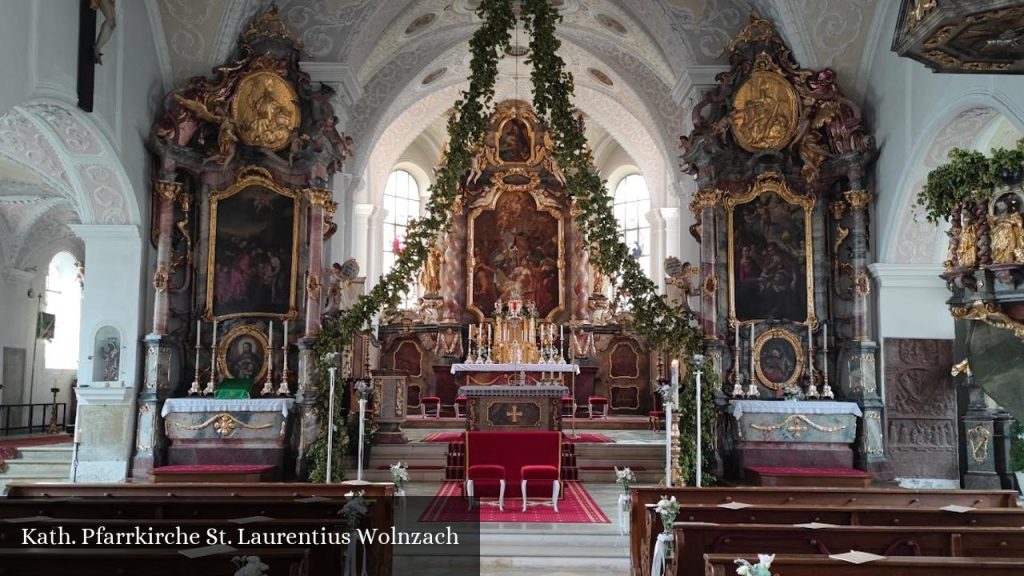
(402, 204)
(63, 300)
(632, 202)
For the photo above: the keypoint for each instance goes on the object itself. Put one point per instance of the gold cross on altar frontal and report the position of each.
(514, 414)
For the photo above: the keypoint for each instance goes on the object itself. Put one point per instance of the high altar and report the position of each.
(511, 282)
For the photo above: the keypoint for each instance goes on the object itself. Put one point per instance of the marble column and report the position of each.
(857, 356)
(979, 433)
(150, 439)
(657, 248)
(319, 201)
(166, 193)
(454, 279)
(703, 207)
(112, 299)
(580, 271)
(307, 418)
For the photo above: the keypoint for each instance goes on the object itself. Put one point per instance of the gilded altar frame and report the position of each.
(772, 182)
(229, 339)
(252, 176)
(488, 203)
(798, 351)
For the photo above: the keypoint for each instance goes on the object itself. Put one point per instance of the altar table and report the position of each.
(500, 407)
(811, 434)
(485, 374)
(226, 432)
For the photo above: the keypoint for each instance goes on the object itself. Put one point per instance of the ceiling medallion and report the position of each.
(516, 50)
(433, 76)
(611, 24)
(600, 76)
(420, 23)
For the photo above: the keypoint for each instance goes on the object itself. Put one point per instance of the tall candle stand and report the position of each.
(194, 390)
(211, 386)
(737, 385)
(268, 386)
(826, 390)
(282, 389)
(752, 391)
(812, 378)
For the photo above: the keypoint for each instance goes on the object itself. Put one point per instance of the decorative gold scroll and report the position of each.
(224, 424)
(797, 424)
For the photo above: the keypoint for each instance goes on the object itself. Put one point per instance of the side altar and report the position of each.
(792, 433)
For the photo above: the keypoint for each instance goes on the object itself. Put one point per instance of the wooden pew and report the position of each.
(151, 562)
(844, 516)
(814, 565)
(192, 489)
(692, 541)
(644, 528)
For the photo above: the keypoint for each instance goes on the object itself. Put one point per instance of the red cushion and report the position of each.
(213, 468)
(512, 449)
(486, 472)
(538, 472)
(461, 400)
(568, 400)
(430, 399)
(656, 414)
(597, 400)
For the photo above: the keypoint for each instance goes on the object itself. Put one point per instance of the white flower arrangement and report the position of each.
(363, 389)
(331, 358)
(399, 475)
(668, 509)
(762, 568)
(624, 477)
(354, 509)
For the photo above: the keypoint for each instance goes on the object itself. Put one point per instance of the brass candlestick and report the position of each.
(53, 428)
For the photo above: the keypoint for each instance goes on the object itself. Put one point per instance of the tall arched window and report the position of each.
(632, 202)
(64, 301)
(402, 204)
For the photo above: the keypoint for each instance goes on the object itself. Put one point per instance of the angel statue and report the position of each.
(227, 135)
(430, 277)
(340, 278)
(680, 281)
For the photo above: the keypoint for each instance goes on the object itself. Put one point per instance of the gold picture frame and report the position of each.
(249, 178)
(768, 338)
(772, 183)
(235, 337)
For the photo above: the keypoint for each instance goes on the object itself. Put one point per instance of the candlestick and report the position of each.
(826, 390)
(268, 386)
(752, 390)
(211, 386)
(282, 389)
(194, 389)
(330, 424)
(737, 386)
(362, 434)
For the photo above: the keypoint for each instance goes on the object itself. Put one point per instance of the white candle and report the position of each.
(285, 343)
(330, 424)
(751, 352)
(824, 353)
(214, 345)
(199, 331)
(362, 432)
(270, 336)
(675, 374)
(561, 334)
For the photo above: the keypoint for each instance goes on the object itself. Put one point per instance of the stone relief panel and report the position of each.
(921, 404)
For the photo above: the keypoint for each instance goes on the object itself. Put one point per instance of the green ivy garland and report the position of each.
(664, 327)
(969, 175)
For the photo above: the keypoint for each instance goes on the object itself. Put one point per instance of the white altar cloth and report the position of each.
(574, 368)
(738, 407)
(177, 405)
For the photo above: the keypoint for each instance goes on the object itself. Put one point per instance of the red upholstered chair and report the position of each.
(460, 406)
(599, 401)
(428, 404)
(541, 472)
(484, 472)
(657, 414)
(568, 407)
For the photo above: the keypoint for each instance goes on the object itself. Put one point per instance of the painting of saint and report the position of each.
(514, 143)
(516, 249)
(244, 356)
(253, 252)
(777, 360)
(769, 260)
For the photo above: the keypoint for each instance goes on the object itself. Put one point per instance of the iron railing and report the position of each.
(29, 418)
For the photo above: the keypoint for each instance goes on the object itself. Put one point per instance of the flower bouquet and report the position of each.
(762, 568)
(668, 509)
(624, 478)
(399, 476)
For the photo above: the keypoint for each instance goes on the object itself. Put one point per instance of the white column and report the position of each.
(360, 239)
(657, 248)
(671, 217)
(339, 248)
(112, 297)
(376, 243)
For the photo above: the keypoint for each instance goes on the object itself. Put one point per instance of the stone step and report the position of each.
(20, 468)
(63, 451)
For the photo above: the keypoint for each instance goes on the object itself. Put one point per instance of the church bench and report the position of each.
(282, 561)
(795, 476)
(692, 541)
(645, 526)
(184, 490)
(816, 565)
(642, 534)
(213, 473)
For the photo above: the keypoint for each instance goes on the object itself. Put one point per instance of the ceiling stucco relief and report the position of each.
(50, 228)
(838, 30)
(189, 26)
(23, 143)
(73, 134)
(915, 237)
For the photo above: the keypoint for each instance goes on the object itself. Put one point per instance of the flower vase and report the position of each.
(666, 532)
(399, 492)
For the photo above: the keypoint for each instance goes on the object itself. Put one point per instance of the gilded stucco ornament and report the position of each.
(766, 109)
(265, 110)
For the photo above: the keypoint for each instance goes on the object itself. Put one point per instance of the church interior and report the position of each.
(637, 287)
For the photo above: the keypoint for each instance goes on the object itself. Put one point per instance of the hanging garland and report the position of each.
(969, 175)
(664, 327)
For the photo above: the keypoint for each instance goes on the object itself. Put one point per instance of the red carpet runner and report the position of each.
(578, 507)
(583, 438)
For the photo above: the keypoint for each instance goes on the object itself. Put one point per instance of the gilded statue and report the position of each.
(227, 134)
(967, 254)
(1007, 234)
(430, 277)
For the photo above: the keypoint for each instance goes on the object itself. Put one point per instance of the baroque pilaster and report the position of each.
(150, 440)
(454, 275)
(166, 193)
(320, 203)
(580, 272)
(703, 208)
(308, 420)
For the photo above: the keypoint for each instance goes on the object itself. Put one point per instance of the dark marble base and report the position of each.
(792, 454)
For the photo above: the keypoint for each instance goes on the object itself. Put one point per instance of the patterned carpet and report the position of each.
(576, 507)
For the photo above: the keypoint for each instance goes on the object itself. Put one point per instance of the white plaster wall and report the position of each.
(15, 32)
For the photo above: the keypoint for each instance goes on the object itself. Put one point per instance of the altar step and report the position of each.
(583, 423)
(51, 463)
(594, 462)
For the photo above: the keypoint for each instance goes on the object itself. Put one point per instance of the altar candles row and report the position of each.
(270, 341)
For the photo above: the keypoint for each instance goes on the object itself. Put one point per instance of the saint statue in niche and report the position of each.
(111, 360)
(1007, 231)
(514, 143)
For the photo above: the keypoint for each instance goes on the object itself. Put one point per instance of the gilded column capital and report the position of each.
(857, 199)
(167, 188)
(330, 207)
(706, 198)
(319, 197)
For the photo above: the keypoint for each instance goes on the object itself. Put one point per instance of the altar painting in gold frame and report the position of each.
(770, 253)
(252, 260)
